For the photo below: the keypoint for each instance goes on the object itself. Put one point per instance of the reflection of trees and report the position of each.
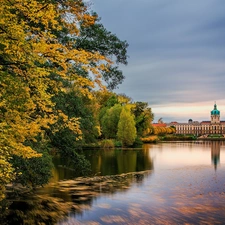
(71, 196)
(215, 153)
(117, 161)
(33, 210)
(121, 169)
(84, 190)
(105, 162)
(70, 166)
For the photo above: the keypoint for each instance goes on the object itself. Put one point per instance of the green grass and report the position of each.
(215, 135)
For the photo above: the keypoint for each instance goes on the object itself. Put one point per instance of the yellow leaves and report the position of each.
(35, 62)
(24, 151)
(82, 85)
(98, 129)
(63, 116)
(149, 139)
(6, 175)
(29, 43)
(39, 13)
(72, 123)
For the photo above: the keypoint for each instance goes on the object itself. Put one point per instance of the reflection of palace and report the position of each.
(215, 153)
(215, 126)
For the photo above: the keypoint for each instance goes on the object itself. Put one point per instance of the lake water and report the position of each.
(165, 183)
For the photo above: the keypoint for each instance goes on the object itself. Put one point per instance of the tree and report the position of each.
(74, 104)
(106, 101)
(143, 117)
(96, 38)
(126, 127)
(110, 121)
(36, 170)
(123, 99)
(38, 56)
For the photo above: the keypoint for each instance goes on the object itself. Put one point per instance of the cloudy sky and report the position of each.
(176, 54)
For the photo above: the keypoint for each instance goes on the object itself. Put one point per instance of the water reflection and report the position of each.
(215, 153)
(118, 161)
(106, 162)
(33, 209)
(183, 188)
(69, 196)
(118, 170)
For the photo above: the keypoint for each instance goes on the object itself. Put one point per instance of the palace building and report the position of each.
(214, 126)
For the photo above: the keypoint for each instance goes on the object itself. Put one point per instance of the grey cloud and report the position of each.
(177, 48)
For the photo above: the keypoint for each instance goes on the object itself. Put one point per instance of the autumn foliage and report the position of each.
(163, 130)
(37, 56)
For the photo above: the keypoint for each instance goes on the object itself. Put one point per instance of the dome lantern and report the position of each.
(215, 111)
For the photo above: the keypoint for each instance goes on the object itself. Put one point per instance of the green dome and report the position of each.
(215, 111)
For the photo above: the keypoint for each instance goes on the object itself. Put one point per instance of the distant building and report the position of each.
(214, 126)
(159, 124)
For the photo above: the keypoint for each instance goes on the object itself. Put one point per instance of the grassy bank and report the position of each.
(111, 143)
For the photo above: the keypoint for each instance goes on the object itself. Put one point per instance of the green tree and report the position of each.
(110, 121)
(126, 128)
(74, 104)
(34, 171)
(105, 105)
(143, 117)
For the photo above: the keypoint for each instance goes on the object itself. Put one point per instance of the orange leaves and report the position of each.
(149, 139)
(88, 20)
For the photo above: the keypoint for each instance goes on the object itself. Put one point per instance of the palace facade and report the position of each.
(214, 126)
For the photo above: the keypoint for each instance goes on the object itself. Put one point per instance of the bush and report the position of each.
(179, 137)
(138, 142)
(149, 139)
(107, 143)
(117, 143)
(34, 171)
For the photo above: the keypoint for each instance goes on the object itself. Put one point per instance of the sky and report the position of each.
(176, 54)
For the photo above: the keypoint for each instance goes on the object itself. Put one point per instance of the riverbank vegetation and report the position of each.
(168, 137)
(59, 66)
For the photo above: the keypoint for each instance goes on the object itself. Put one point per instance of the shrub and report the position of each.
(117, 143)
(138, 142)
(149, 139)
(107, 143)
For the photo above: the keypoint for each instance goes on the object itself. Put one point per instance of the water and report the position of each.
(166, 183)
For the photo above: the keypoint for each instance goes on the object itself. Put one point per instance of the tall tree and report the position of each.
(110, 121)
(107, 101)
(126, 127)
(143, 117)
